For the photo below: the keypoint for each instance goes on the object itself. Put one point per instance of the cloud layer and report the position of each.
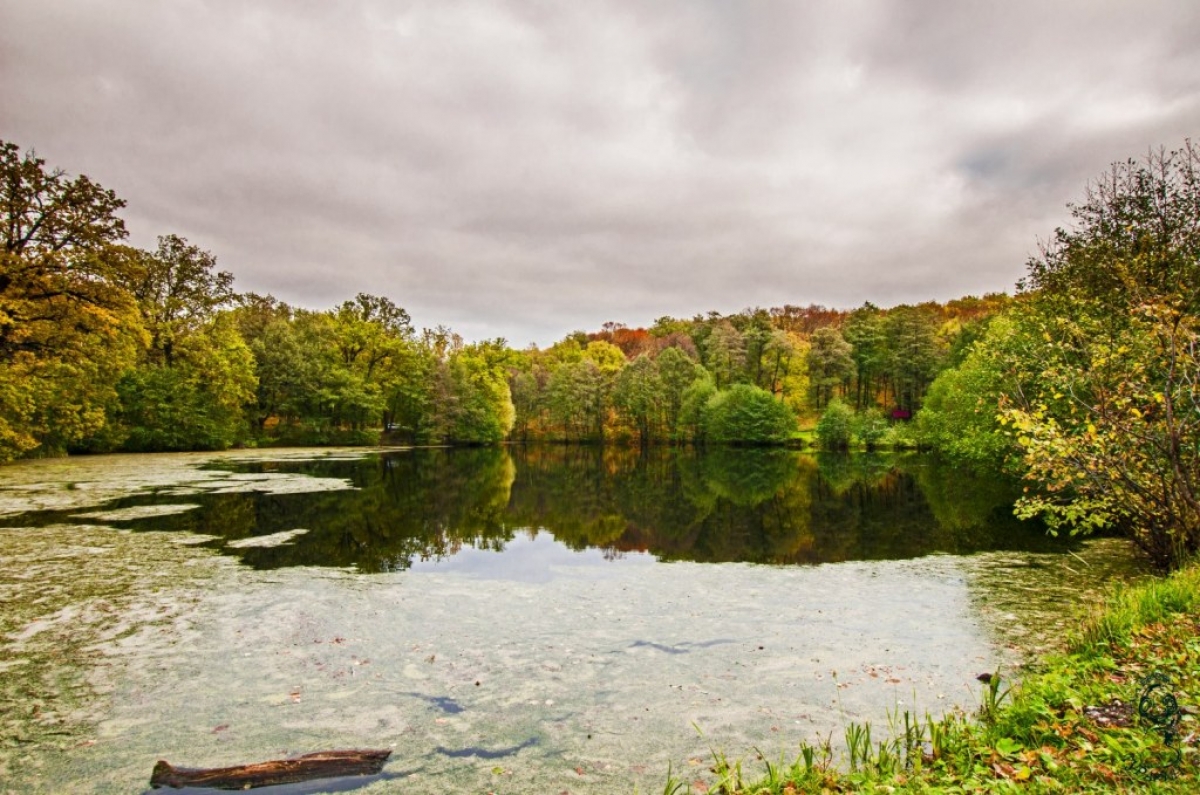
(522, 169)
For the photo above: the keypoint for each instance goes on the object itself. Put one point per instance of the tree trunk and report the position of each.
(325, 764)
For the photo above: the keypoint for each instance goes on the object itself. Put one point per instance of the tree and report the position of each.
(864, 331)
(1138, 226)
(693, 411)
(725, 354)
(67, 327)
(914, 354)
(830, 363)
(639, 395)
(45, 212)
(793, 386)
(294, 356)
(528, 389)
(196, 386)
(677, 371)
(1110, 427)
(606, 356)
(778, 353)
(366, 328)
(578, 399)
(745, 414)
(835, 428)
(196, 403)
(757, 336)
(177, 289)
(960, 415)
(478, 407)
(870, 426)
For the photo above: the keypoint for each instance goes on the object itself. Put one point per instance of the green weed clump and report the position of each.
(1116, 713)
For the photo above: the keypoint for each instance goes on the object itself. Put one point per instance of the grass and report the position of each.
(1073, 727)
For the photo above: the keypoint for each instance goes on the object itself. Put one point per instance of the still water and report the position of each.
(546, 619)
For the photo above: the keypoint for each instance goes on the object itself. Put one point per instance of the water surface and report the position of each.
(553, 619)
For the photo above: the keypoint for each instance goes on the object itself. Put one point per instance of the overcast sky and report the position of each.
(524, 169)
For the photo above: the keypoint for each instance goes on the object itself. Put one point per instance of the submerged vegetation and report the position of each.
(1115, 713)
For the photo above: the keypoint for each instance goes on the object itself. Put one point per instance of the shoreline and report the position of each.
(1116, 712)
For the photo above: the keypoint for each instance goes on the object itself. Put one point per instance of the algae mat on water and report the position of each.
(532, 669)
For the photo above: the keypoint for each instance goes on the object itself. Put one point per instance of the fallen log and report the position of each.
(324, 764)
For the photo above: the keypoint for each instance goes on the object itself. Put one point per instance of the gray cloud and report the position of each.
(523, 169)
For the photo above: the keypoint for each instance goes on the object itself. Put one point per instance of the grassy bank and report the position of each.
(1098, 718)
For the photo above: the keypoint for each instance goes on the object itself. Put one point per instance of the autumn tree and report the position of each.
(67, 327)
(1110, 427)
(47, 212)
(177, 289)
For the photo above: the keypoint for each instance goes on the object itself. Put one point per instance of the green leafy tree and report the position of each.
(367, 328)
(746, 414)
(870, 427)
(196, 386)
(1110, 427)
(693, 410)
(960, 415)
(830, 363)
(529, 397)
(864, 330)
(196, 403)
(914, 354)
(639, 396)
(836, 426)
(478, 408)
(757, 330)
(578, 399)
(677, 371)
(725, 354)
(779, 352)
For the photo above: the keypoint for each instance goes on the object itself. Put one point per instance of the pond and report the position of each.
(543, 619)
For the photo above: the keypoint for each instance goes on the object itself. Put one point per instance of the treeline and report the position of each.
(741, 378)
(1087, 384)
(107, 347)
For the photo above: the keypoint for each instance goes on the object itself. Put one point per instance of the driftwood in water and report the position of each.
(325, 764)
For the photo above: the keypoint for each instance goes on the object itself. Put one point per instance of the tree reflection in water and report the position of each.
(727, 505)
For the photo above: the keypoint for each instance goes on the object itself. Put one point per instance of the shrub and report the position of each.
(745, 414)
(835, 426)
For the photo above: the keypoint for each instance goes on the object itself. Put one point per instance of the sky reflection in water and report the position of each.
(535, 620)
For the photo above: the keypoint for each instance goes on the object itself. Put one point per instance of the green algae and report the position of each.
(70, 596)
(579, 671)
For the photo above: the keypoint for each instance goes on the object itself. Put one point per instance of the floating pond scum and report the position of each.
(467, 624)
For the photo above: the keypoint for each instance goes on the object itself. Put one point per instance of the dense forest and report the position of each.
(1084, 383)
